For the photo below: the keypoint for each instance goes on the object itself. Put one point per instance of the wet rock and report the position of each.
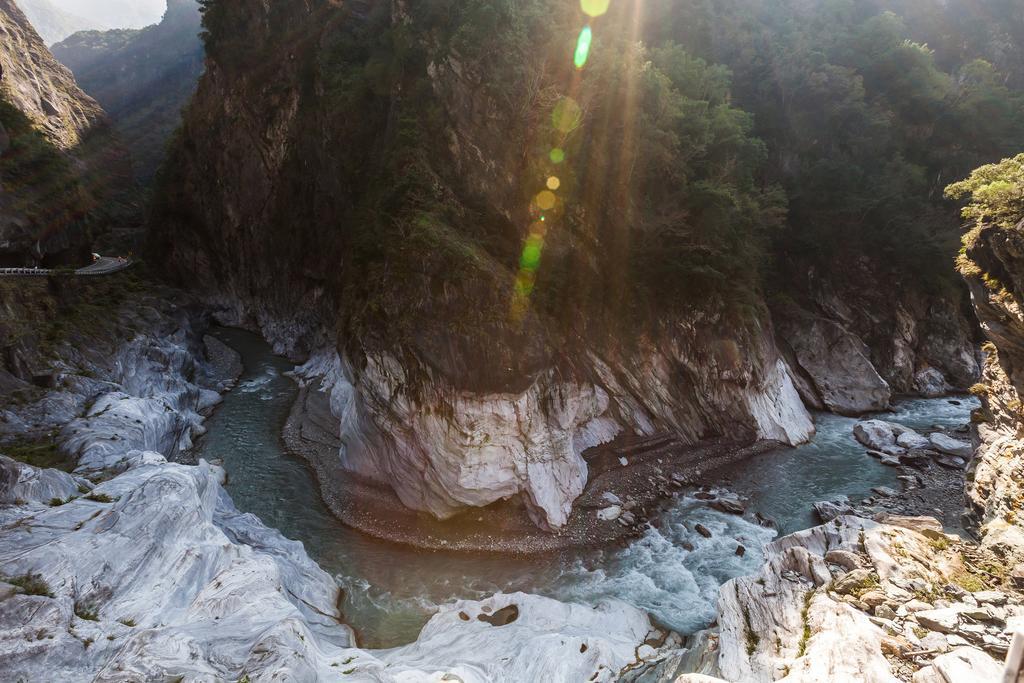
(766, 522)
(702, 530)
(877, 435)
(911, 439)
(828, 510)
(885, 491)
(740, 551)
(950, 446)
(729, 506)
(931, 383)
(502, 617)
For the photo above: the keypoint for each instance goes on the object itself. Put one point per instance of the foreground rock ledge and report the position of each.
(857, 601)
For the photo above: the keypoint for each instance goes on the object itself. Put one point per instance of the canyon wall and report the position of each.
(993, 265)
(58, 162)
(372, 215)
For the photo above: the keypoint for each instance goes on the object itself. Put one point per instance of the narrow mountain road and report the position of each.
(105, 265)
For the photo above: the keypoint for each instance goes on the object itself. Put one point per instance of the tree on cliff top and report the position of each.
(996, 193)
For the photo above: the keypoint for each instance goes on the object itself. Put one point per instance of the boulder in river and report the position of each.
(730, 506)
(875, 434)
(950, 446)
(931, 383)
(911, 439)
(702, 530)
(828, 510)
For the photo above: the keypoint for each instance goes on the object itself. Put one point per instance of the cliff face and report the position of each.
(373, 213)
(39, 86)
(861, 334)
(995, 489)
(57, 161)
(142, 78)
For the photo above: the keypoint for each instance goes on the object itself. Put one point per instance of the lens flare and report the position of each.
(594, 8)
(554, 183)
(545, 200)
(557, 155)
(583, 47)
(566, 115)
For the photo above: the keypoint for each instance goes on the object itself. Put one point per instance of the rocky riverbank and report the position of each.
(860, 601)
(133, 568)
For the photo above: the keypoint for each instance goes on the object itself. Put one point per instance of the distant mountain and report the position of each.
(53, 23)
(115, 13)
(142, 78)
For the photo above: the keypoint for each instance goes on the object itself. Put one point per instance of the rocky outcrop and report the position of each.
(136, 568)
(52, 22)
(860, 601)
(861, 334)
(446, 449)
(994, 269)
(442, 391)
(41, 87)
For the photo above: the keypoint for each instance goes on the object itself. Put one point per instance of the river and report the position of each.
(392, 590)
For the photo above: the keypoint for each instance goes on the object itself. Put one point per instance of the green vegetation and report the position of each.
(996, 193)
(43, 454)
(805, 636)
(100, 498)
(710, 150)
(87, 611)
(39, 178)
(31, 584)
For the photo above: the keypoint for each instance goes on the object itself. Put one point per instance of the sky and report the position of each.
(115, 13)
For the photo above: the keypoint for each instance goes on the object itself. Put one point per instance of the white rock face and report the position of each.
(962, 665)
(547, 641)
(778, 410)
(155, 575)
(762, 618)
(447, 450)
(180, 583)
(21, 484)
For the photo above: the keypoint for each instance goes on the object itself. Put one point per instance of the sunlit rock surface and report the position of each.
(454, 449)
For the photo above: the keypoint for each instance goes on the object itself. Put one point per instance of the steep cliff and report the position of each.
(992, 262)
(862, 333)
(142, 78)
(57, 159)
(379, 200)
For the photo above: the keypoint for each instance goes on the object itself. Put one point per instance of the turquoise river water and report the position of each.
(392, 590)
